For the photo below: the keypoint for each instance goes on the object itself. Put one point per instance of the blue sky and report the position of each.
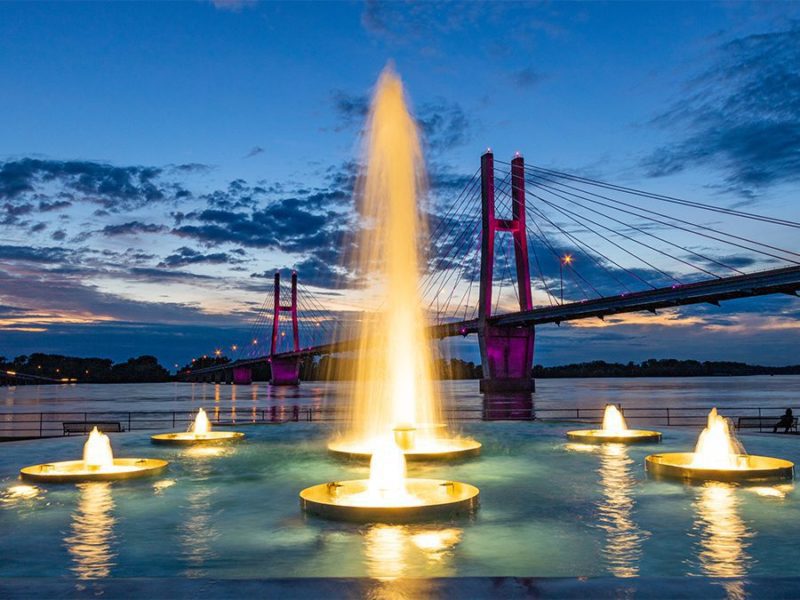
(156, 160)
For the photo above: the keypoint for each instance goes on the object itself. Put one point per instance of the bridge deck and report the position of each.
(774, 281)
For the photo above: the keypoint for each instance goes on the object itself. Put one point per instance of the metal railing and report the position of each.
(51, 424)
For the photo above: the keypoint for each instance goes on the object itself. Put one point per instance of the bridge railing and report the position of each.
(51, 424)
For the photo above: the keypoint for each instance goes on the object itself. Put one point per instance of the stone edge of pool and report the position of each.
(445, 587)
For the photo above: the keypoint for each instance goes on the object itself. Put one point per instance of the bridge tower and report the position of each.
(506, 352)
(285, 370)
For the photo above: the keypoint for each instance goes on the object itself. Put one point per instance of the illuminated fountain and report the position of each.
(199, 433)
(718, 456)
(388, 496)
(614, 430)
(394, 396)
(98, 464)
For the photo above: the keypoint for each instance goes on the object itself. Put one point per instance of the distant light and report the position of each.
(517, 154)
(255, 341)
(567, 259)
(217, 352)
(234, 347)
(489, 150)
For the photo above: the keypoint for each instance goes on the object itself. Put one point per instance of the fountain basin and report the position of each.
(630, 436)
(426, 499)
(678, 465)
(189, 438)
(443, 449)
(74, 471)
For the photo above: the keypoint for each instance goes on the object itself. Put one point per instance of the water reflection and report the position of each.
(197, 530)
(91, 538)
(508, 406)
(393, 551)
(20, 494)
(722, 535)
(623, 547)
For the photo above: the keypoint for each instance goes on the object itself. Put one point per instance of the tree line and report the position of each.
(146, 369)
(142, 369)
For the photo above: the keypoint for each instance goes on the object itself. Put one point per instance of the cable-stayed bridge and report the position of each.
(522, 246)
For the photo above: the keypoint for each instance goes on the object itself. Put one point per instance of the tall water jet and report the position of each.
(394, 394)
(718, 456)
(614, 430)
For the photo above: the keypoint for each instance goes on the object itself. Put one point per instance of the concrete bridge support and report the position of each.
(242, 375)
(285, 371)
(506, 352)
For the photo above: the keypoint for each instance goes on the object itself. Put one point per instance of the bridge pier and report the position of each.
(242, 375)
(506, 352)
(285, 371)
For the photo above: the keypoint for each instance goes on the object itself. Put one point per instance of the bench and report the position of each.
(84, 427)
(762, 423)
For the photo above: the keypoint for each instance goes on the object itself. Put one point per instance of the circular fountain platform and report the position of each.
(599, 436)
(74, 471)
(188, 438)
(426, 499)
(444, 449)
(678, 465)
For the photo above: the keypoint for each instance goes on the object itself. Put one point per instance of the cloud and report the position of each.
(50, 255)
(320, 273)
(114, 188)
(48, 206)
(254, 151)
(527, 77)
(132, 228)
(152, 274)
(233, 5)
(187, 256)
(741, 115)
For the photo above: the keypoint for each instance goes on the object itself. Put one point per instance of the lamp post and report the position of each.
(566, 260)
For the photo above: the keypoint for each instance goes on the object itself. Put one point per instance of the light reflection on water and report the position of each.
(197, 530)
(623, 544)
(91, 538)
(390, 549)
(723, 537)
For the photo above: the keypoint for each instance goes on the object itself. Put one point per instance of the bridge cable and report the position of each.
(558, 257)
(669, 224)
(581, 244)
(644, 232)
(669, 199)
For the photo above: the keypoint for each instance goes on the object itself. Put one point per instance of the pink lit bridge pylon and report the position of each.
(586, 249)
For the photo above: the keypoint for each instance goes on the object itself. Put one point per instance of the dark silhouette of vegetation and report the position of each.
(667, 367)
(202, 362)
(144, 369)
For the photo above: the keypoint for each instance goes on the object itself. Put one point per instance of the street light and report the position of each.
(566, 260)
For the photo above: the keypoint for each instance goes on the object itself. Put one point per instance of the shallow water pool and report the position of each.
(548, 508)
